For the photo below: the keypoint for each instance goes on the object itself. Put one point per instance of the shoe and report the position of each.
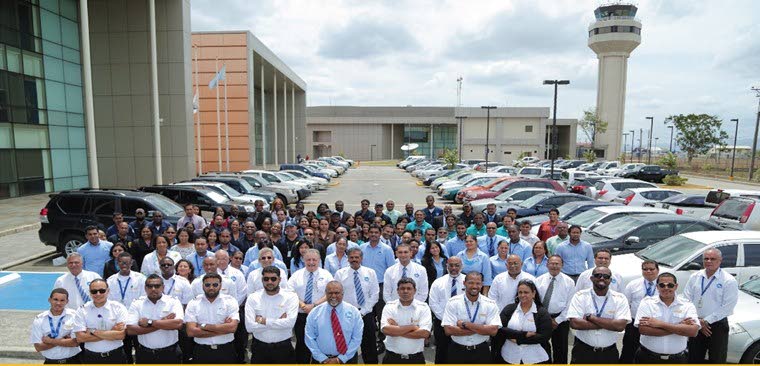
(380, 349)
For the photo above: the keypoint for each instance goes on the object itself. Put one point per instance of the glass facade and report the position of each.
(42, 137)
(443, 137)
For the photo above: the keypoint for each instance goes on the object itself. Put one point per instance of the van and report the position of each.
(308, 170)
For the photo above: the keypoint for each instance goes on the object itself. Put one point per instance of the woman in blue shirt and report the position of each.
(339, 259)
(499, 260)
(297, 262)
(536, 263)
(434, 261)
(475, 260)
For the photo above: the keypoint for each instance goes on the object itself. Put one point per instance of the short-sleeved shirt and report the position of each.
(144, 308)
(616, 307)
(78, 295)
(679, 309)
(126, 289)
(64, 323)
(201, 311)
(300, 280)
(95, 256)
(487, 313)
(91, 317)
(417, 313)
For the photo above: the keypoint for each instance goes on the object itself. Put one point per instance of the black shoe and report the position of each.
(380, 348)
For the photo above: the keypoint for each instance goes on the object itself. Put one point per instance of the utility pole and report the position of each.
(754, 141)
(459, 105)
(651, 129)
(671, 138)
(733, 155)
(553, 150)
(488, 109)
(633, 141)
(641, 134)
(461, 126)
(625, 144)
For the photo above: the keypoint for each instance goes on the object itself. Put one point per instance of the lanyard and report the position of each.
(650, 289)
(469, 315)
(55, 331)
(197, 265)
(123, 289)
(535, 269)
(171, 288)
(599, 312)
(704, 289)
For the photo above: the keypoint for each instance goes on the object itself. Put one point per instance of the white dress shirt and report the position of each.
(300, 279)
(456, 310)
(719, 298)
(150, 263)
(370, 287)
(584, 281)
(616, 308)
(564, 288)
(530, 238)
(440, 293)
(523, 353)
(126, 289)
(41, 328)
(228, 287)
(241, 287)
(254, 282)
(415, 271)
(144, 308)
(504, 288)
(417, 313)
(201, 311)
(90, 317)
(179, 288)
(67, 282)
(271, 307)
(680, 309)
(636, 290)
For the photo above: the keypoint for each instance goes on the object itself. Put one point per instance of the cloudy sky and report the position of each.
(695, 56)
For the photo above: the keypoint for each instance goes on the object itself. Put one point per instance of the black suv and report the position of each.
(68, 213)
(207, 199)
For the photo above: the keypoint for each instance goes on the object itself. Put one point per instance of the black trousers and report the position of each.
(168, 355)
(114, 356)
(478, 354)
(272, 353)
(630, 343)
(442, 342)
(303, 355)
(715, 346)
(644, 355)
(352, 360)
(369, 341)
(395, 358)
(130, 343)
(73, 360)
(583, 353)
(241, 336)
(559, 342)
(378, 310)
(221, 353)
(186, 344)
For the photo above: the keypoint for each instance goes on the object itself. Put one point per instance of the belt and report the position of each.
(664, 356)
(275, 344)
(405, 357)
(596, 349)
(59, 361)
(158, 350)
(555, 315)
(469, 348)
(103, 354)
(212, 346)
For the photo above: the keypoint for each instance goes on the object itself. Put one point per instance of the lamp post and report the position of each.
(633, 141)
(651, 129)
(553, 150)
(655, 142)
(671, 138)
(754, 141)
(461, 118)
(641, 134)
(625, 144)
(488, 109)
(733, 155)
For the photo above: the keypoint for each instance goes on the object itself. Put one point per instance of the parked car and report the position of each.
(600, 215)
(227, 191)
(321, 183)
(568, 211)
(305, 187)
(271, 177)
(531, 172)
(472, 162)
(408, 160)
(579, 186)
(607, 190)
(636, 232)
(446, 173)
(525, 160)
(243, 186)
(717, 196)
(449, 192)
(321, 164)
(570, 164)
(685, 204)
(649, 173)
(572, 175)
(283, 192)
(591, 167)
(623, 169)
(504, 169)
(332, 161)
(307, 170)
(548, 175)
(542, 203)
(482, 167)
(508, 198)
(642, 196)
(462, 195)
(512, 183)
(744, 323)
(607, 165)
(349, 161)
(737, 213)
(463, 174)
(68, 213)
(206, 198)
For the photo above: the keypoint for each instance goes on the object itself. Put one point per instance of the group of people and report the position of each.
(479, 287)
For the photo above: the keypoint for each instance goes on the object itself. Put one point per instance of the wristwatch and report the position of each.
(150, 322)
(586, 317)
(203, 326)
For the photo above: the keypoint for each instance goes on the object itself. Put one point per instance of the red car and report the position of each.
(511, 184)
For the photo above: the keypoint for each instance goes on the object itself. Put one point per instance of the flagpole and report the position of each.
(226, 123)
(198, 112)
(218, 120)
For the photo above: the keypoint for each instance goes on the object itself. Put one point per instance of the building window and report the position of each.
(529, 128)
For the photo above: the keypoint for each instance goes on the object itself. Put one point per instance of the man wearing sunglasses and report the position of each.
(270, 315)
(636, 291)
(598, 315)
(266, 259)
(130, 285)
(602, 258)
(212, 320)
(665, 323)
(174, 285)
(155, 319)
(228, 286)
(100, 326)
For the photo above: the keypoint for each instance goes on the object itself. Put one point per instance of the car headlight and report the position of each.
(735, 328)
(248, 208)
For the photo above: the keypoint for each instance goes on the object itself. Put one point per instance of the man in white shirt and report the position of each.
(309, 284)
(211, 320)
(266, 259)
(635, 291)
(155, 319)
(209, 266)
(76, 282)
(361, 290)
(51, 332)
(598, 315)
(405, 268)
(504, 286)
(130, 285)
(556, 302)
(406, 323)
(100, 325)
(714, 292)
(241, 288)
(665, 323)
(470, 319)
(270, 315)
(175, 285)
(602, 258)
(444, 288)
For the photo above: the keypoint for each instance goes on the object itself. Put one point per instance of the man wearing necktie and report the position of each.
(309, 284)
(334, 329)
(444, 288)
(76, 282)
(362, 291)
(556, 290)
(489, 242)
(635, 291)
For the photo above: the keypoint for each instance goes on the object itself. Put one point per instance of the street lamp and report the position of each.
(733, 155)
(655, 143)
(553, 150)
(461, 118)
(641, 135)
(651, 129)
(633, 141)
(671, 138)
(488, 109)
(625, 144)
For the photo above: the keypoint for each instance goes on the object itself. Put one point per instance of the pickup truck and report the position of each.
(650, 173)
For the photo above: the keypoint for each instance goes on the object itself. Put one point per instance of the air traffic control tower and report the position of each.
(613, 36)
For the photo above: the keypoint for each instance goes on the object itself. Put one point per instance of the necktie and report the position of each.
(549, 291)
(490, 245)
(453, 286)
(340, 341)
(309, 288)
(403, 273)
(359, 291)
(82, 292)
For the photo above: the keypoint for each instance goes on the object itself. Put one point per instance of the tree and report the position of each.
(451, 157)
(589, 155)
(697, 133)
(668, 161)
(591, 125)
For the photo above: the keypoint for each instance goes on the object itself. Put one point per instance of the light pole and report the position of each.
(754, 142)
(733, 155)
(488, 109)
(651, 128)
(655, 143)
(461, 118)
(633, 141)
(641, 134)
(553, 150)
(671, 138)
(625, 144)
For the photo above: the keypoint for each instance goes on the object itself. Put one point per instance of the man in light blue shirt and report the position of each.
(95, 252)
(456, 244)
(377, 255)
(578, 255)
(517, 245)
(201, 252)
(334, 328)
(478, 228)
(489, 242)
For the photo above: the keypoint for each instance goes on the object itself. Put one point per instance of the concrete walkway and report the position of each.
(21, 213)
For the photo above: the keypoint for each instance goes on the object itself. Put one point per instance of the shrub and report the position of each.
(589, 156)
(668, 161)
(707, 167)
(674, 180)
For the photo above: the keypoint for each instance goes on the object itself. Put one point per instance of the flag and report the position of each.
(196, 106)
(217, 78)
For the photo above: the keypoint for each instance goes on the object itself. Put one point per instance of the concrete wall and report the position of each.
(121, 86)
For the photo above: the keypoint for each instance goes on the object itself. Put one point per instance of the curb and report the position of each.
(19, 229)
(756, 184)
(27, 259)
(20, 352)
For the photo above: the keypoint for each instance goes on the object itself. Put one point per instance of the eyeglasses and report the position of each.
(215, 285)
(98, 291)
(668, 285)
(602, 276)
(269, 279)
(166, 265)
(154, 286)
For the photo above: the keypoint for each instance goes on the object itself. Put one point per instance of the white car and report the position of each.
(321, 183)
(744, 325)
(331, 172)
(642, 196)
(525, 161)
(737, 213)
(600, 215)
(462, 182)
(571, 175)
(325, 165)
(288, 178)
(408, 160)
(532, 171)
(504, 169)
(609, 165)
(508, 198)
(625, 168)
(222, 188)
(286, 193)
(608, 189)
(272, 178)
(349, 161)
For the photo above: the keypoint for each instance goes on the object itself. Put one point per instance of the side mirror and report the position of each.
(632, 240)
(510, 199)
(150, 214)
(693, 266)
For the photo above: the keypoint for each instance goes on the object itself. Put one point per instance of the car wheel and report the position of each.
(752, 355)
(71, 244)
(282, 197)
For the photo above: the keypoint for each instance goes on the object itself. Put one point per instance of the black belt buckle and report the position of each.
(213, 346)
(664, 357)
(60, 361)
(104, 354)
(470, 348)
(404, 357)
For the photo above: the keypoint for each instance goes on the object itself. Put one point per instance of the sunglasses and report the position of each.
(602, 276)
(154, 286)
(668, 285)
(215, 284)
(269, 279)
(166, 265)
(98, 291)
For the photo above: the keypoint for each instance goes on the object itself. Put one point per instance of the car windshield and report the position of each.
(752, 287)
(672, 251)
(476, 182)
(587, 218)
(284, 177)
(165, 205)
(297, 173)
(616, 228)
(218, 198)
(500, 186)
(530, 202)
(228, 190)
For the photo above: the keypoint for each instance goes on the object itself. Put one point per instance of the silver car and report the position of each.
(744, 325)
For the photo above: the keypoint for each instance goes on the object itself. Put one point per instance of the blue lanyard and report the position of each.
(650, 289)
(55, 331)
(599, 312)
(171, 288)
(535, 270)
(197, 265)
(467, 306)
(123, 289)
(704, 289)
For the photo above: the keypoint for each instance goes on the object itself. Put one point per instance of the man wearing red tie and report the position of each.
(334, 328)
